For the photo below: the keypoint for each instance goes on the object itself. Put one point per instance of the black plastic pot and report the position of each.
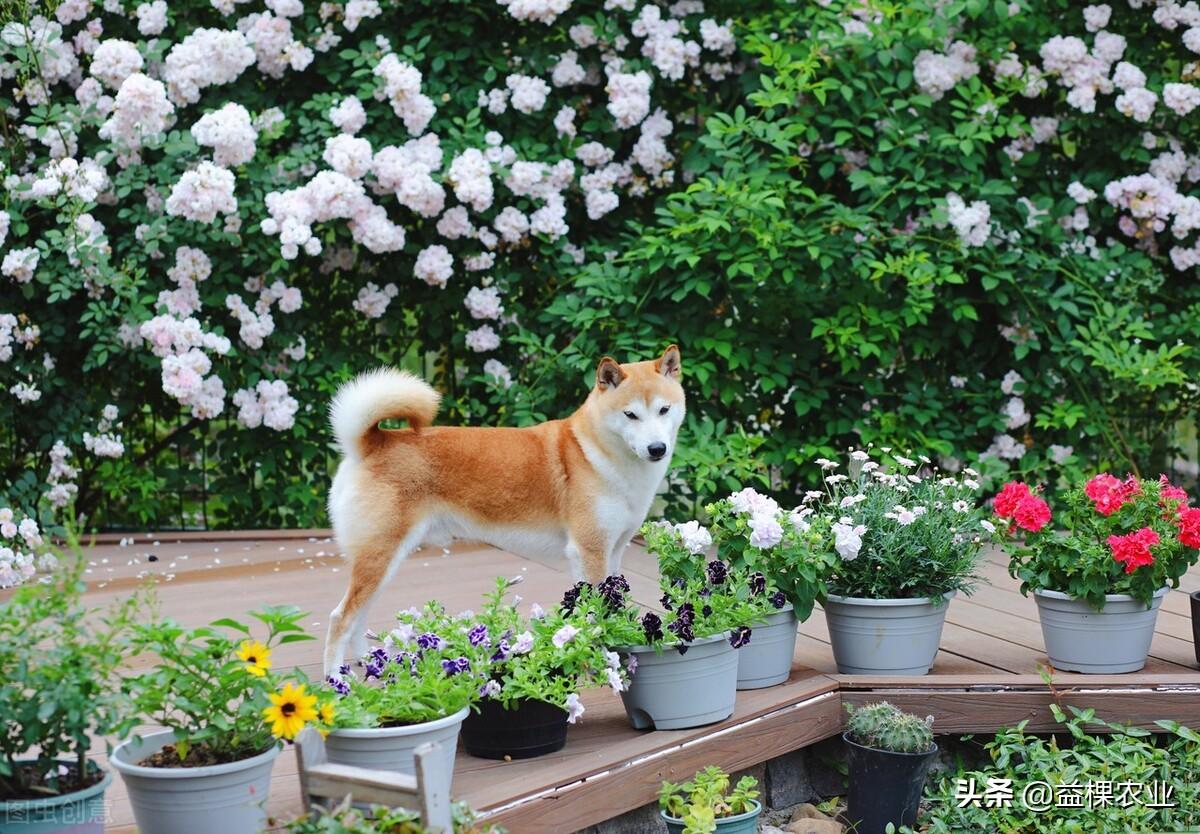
(1195, 595)
(533, 728)
(884, 787)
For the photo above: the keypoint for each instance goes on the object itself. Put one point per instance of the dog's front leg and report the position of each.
(587, 551)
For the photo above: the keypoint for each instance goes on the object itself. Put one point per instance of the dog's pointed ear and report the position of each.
(609, 374)
(669, 364)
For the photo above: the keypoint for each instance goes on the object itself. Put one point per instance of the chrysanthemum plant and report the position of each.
(60, 688)
(215, 687)
(752, 532)
(412, 675)
(700, 598)
(1110, 536)
(900, 528)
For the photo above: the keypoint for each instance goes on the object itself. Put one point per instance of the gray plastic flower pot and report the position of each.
(746, 823)
(391, 748)
(1112, 640)
(767, 659)
(81, 812)
(229, 798)
(673, 691)
(885, 636)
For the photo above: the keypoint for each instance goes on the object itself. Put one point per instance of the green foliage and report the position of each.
(1086, 750)
(345, 819)
(883, 726)
(1074, 555)
(210, 685)
(60, 687)
(706, 798)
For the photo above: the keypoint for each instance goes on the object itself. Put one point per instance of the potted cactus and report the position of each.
(890, 752)
(706, 804)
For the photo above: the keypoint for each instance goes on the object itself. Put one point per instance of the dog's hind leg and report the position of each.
(370, 571)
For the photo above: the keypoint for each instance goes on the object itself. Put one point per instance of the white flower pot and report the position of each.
(81, 812)
(229, 798)
(885, 636)
(767, 659)
(1110, 641)
(391, 748)
(673, 691)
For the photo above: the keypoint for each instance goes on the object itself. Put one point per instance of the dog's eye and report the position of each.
(631, 415)
(664, 409)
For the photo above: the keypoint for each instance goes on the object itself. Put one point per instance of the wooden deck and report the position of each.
(985, 676)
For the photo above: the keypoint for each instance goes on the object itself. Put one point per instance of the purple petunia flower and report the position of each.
(706, 611)
(613, 590)
(338, 685)
(758, 583)
(489, 690)
(373, 669)
(478, 635)
(652, 626)
(778, 599)
(344, 670)
(456, 665)
(717, 572)
(501, 653)
(667, 603)
(739, 637)
(571, 597)
(429, 640)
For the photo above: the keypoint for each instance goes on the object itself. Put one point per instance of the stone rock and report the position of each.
(808, 811)
(787, 780)
(815, 826)
(770, 829)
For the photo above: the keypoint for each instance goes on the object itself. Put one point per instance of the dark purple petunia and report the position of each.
(379, 653)
(652, 626)
(478, 635)
(613, 590)
(739, 637)
(501, 653)
(456, 665)
(686, 613)
(778, 599)
(338, 685)
(758, 583)
(667, 603)
(431, 641)
(344, 670)
(373, 669)
(706, 611)
(571, 597)
(717, 572)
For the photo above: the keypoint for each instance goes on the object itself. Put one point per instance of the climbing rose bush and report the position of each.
(1110, 536)
(213, 212)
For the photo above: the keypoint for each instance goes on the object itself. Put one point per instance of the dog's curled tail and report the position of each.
(381, 394)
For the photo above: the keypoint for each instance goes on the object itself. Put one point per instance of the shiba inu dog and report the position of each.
(578, 487)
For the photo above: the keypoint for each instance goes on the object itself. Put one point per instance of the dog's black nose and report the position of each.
(657, 450)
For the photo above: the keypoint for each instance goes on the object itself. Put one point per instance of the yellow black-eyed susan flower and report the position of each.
(290, 710)
(256, 656)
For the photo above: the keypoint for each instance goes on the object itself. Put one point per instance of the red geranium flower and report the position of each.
(1170, 492)
(1032, 513)
(1109, 493)
(1009, 497)
(1189, 527)
(1133, 549)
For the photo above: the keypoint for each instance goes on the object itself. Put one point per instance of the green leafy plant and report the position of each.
(900, 531)
(882, 726)
(706, 798)
(215, 688)
(1087, 753)
(60, 687)
(753, 533)
(345, 819)
(1112, 536)
(405, 679)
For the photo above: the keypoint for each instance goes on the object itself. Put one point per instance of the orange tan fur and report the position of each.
(578, 487)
